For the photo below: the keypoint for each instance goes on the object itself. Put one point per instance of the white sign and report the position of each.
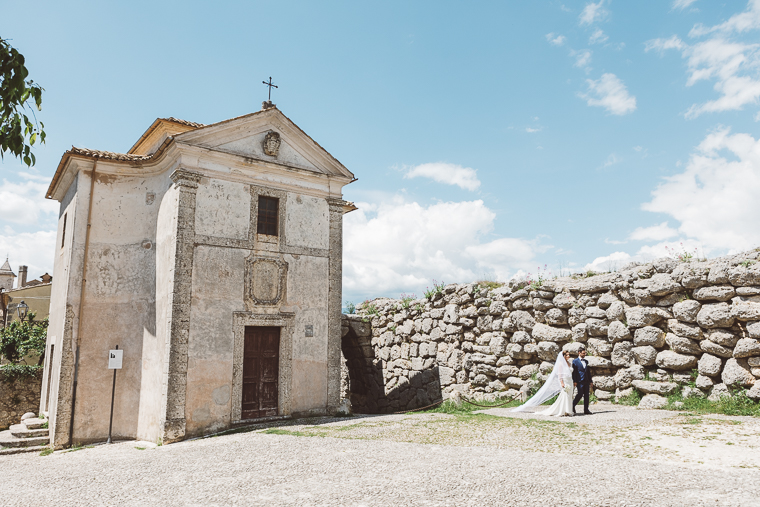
(114, 359)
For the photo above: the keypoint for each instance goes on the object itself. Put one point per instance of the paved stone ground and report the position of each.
(379, 461)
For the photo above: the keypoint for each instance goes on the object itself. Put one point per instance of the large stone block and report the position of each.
(645, 355)
(522, 320)
(715, 315)
(715, 349)
(542, 332)
(652, 402)
(649, 387)
(747, 347)
(743, 276)
(596, 327)
(687, 310)
(671, 360)
(547, 351)
(597, 347)
(622, 354)
(745, 310)
(642, 316)
(616, 311)
(660, 284)
(604, 382)
(556, 317)
(722, 337)
(649, 335)
(736, 372)
(580, 334)
(625, 376)
(617, 331)
(715, 293)
(692, 331)
(709, 365)
(682, 345)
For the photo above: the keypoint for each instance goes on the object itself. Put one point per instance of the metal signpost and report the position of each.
(114, 363)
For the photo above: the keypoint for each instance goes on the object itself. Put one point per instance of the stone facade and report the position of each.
(161, 254)
(17, 397)
(653, 327)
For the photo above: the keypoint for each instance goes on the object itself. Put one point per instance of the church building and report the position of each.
(211, 255)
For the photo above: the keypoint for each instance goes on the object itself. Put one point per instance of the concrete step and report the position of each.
(18, 450)
(8, 440)
(34, 423)
(22, 431)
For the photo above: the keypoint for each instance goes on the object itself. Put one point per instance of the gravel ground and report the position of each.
(420, 459)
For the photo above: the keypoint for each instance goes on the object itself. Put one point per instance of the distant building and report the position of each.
(34, 293)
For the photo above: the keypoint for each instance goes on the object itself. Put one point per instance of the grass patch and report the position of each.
(737, 405)
(448, 407)
(631, 400)
(279, 431)
(140, 448)
(46, 452)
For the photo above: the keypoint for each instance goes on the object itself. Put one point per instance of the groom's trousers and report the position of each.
(583, 390)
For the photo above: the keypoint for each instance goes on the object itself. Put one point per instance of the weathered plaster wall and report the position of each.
(646, 328)
(56, 395)
(119, 306)
(217, 293)
(154, 345)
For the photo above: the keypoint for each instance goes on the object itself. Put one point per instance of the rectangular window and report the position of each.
(63, 233)
(267, 219)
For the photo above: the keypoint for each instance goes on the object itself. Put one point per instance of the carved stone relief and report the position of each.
(265, 280)
(271, 144)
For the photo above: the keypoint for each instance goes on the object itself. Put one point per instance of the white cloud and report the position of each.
(398, 246)
(33, 249)
(450, 174)
(757, 116)
(582, 58)
(682, 4)
(531, 130)
(593, 12)
(610, 93)
(715, 197)
(23, 202)
(725, 62)
(612, 160)
(612, 262)
(664, 44)
(732, 65)
(742, 22)
(637, 148)
(556, 41)
(597, 37)
(654, 233)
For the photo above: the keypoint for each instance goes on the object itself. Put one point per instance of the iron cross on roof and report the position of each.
(270, 85)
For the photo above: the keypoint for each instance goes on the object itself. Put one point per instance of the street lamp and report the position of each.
(22, 308)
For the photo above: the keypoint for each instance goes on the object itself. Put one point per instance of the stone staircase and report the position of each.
(29, 436)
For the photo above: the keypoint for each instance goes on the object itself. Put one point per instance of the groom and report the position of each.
(582, 379)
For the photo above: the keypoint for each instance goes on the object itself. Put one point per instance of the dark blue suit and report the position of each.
(582, 377)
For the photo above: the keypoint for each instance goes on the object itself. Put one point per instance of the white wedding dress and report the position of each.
(563, 405)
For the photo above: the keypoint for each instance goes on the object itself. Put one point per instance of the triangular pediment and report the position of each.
(245, 136)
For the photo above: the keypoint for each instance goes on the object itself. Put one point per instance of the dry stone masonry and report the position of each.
(655, 328)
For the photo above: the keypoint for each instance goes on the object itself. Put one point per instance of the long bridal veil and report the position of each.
(551, 387)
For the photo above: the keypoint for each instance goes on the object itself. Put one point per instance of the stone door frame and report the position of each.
(286, 323)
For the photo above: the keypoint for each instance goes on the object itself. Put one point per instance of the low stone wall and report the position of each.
(656, 328)
(19, 396)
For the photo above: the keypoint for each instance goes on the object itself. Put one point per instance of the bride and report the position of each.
(559, 382)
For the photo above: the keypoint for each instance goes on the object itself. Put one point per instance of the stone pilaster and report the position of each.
(334, 303)
(175, 370)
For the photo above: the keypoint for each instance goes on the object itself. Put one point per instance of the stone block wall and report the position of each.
(655, 328)
(19, 396)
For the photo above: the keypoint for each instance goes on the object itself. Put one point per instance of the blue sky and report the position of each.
(488, 138)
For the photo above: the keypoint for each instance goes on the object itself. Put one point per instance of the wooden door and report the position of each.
(261, 368)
